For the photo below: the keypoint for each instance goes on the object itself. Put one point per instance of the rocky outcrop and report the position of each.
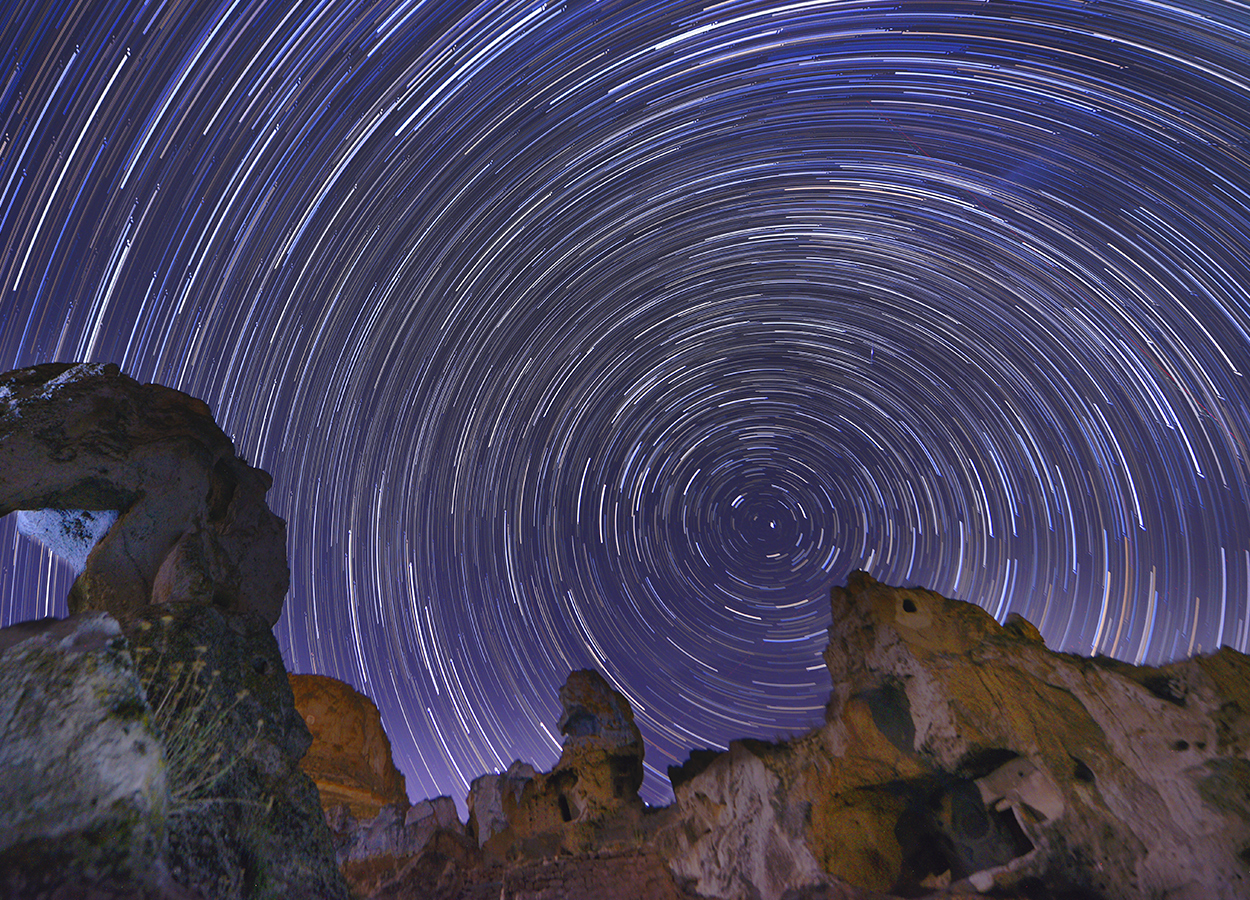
(959, 758)
(80, 763)
(137, 486)
(245, 821)
(960, 753)
(588, 801)
(151, 750)
(350, 756)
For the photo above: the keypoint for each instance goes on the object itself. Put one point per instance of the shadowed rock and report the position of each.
(93, 455)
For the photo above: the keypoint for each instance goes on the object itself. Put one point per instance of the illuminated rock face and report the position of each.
(350, 757)
(590, 797)
(961, 752)
(958, 756)
(137, 487)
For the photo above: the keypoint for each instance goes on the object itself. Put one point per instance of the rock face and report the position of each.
(960, 752)
(93, 455)
(374, 852)
(169, 734)
(245, 821)
(588, 800)
(350, 757)
(80, 762)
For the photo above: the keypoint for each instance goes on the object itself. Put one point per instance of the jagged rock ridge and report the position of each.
(958, 757)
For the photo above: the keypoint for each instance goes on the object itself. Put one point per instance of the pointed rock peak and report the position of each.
(593, 709)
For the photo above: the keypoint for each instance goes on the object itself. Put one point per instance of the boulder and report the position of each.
(138, 488)
(350, 756)
(83, 798)
(172, 729)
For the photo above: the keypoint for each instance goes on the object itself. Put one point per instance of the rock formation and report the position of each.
(960, 752)
(150, 742)
(350, 757)
(245, 820)
(959, 758)
(94, 455)
(588, 800)
(375, 851)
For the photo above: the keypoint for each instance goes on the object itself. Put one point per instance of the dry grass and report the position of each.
(196, 724)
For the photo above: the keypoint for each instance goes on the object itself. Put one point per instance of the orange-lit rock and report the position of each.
(350, 757)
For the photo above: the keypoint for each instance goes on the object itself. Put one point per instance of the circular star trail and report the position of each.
(613, 334)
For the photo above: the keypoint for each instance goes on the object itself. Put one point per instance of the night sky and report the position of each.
(612, 335)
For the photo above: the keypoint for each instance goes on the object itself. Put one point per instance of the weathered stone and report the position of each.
(494, 796)
(964, 755)
(588, 800)
(602, 745)
(83, 798)
(350, 757)
(373, 852)
(245, 821)
(191, 525)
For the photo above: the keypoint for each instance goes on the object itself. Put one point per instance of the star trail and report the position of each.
(613, 334)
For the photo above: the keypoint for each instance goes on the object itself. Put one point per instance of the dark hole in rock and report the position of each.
(693, 766)
(1244, 855)
(979, 763)
(566, 814)
(260, 665)
(891, 713)
(909, 605)
(947, 827)
(222, 600)
(982, 838)
(221, 490)
(581, 724)
(626, 775)
(1082, 772)
(1165, 688)
(1181, 745)
(1201, 745)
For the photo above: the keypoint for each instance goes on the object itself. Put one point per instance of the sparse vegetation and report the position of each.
(195, 722)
